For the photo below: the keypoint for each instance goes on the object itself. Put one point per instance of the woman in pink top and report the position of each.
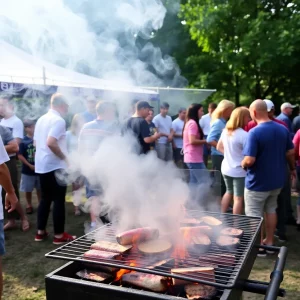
(296, 142)
(193, 141)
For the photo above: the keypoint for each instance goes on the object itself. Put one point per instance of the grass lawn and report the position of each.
(25, 265)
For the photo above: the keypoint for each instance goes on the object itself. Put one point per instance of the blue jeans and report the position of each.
(193, 167)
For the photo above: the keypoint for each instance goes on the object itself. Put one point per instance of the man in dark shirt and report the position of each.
(140, 128)
(151, 126)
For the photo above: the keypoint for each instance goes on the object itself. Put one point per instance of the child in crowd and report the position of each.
(29, 179)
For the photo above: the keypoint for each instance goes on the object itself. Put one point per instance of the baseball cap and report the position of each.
(287, 105)
(143, 104)
(270, 104)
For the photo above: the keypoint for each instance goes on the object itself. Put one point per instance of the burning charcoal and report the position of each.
(155, 247)
(93, 275)
(204, 273)
(199, 244)
(234, 232)
(211, 221)
(109, 246)
(220, 260)
(137, 235)
(227, 242)
(189, 222)
(200, 291)
(101, 255)
(163, 263)
(150, 282)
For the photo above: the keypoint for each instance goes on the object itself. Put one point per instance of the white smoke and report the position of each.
(98, 37)
(103, 38)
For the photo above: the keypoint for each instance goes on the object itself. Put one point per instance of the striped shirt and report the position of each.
(93, 133)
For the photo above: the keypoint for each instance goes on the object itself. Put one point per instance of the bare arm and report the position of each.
(25, 161)
(153, 138)
(5, 181)
(220, 146)
(290, 156)
(18, 140)
(248, 161)
(213, 143)
(54, 147)
(12, 147)
(193, 140)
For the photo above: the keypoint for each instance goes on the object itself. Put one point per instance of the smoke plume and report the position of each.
(101, 38)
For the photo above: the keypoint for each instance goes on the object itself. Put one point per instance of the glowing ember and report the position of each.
(121, 272)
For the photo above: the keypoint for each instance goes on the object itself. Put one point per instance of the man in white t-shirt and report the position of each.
(50, 163)
(163, 124)
(11, 201)
(204, 123)
(177, 126)
(15, 125)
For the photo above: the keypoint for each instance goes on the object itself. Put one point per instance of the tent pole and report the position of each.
(44, 75)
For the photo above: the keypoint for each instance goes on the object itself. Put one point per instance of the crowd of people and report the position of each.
(256, 153)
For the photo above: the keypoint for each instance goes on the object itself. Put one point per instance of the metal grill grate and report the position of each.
(225, 276)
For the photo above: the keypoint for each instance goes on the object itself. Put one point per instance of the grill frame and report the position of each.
(246, 262)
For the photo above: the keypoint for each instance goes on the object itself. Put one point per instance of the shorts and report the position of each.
(93, 190)
(2, 239)
(234, 185)
(256, 203)
(29, 183)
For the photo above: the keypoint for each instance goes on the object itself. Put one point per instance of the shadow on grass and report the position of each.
(25, 265)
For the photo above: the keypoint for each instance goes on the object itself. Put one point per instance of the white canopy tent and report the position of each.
(19, 70)
(17, 66)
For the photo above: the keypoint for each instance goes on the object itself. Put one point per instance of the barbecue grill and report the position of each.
(230, 280)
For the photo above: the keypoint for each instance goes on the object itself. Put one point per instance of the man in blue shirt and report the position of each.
(286, 111)
(266, 150)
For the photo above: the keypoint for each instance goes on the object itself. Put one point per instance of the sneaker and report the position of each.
(41, 237)
(66, 238)
(262, 253)
(281, 237)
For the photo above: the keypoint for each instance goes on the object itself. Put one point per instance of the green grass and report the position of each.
(25, 265)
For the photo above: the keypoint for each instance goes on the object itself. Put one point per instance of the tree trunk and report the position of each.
(257, 86)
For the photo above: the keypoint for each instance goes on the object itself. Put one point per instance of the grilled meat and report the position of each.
(205, 273)
(211, 221)
(150, 282)
(200, 244)
(234, 232)
(101, 255)
(93, 275)
(155, 247)
(137, 235)
(196, 230)
(227, 242)
(189, 222)
(163, 263)
(200, 291)
(109, 246)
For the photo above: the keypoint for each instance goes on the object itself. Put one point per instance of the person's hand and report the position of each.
(32, 167)
(11, 201)
(170, 138)
(293, 174)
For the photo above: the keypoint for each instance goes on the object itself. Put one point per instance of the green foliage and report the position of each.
(247, 49)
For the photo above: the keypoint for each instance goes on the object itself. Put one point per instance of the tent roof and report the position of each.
(17, 66)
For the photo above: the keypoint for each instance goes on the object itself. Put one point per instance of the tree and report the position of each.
(250, 46)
